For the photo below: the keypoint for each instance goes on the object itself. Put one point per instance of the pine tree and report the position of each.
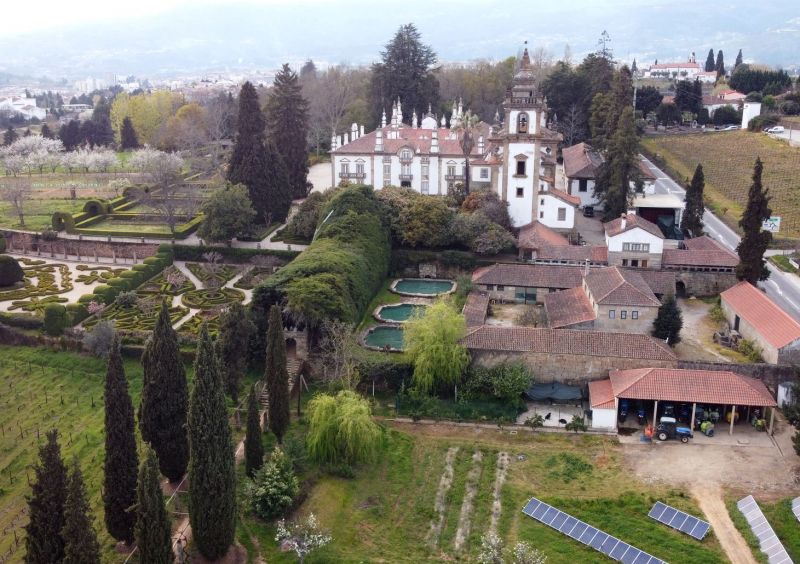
(128, 138)
(253, 443)
(752, 266)
(739, 60)
(212, 493)
(81, 539)
(165, 398)
(720, 66)
(257, 164)
(44, 543)
(692, 221)
(153, 532)
(235, 329)
(669, 322)
(620, 167)
(121, 463)
(633, 66)
(10, 136)
(47, 133)
(287, 125)
(710, 64)
(276, 376)
(103, 132)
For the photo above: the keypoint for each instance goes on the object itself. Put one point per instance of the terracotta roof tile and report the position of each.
(687, 257)
(577, 253)
(601, 395)
(701, 386)
(632, 221)
(563, 196)
(647, 174)
(659, 281)
(581, 161)
(751, 304)
(567, 341)
(530, 275)
(533, 235)
(475, 309)
(615, 286)
(568, 307)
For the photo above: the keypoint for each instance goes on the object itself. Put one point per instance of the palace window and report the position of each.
(623, 314)
(425, 187)
(484, 173)
(345, 168)
(520, 192)
(634, 314)
(541, 215)
(406, 170)
(451, 170)
(386, 182)
(360, 168)
(624, 262)
(387, 169)
(406, 155)
(562, 214)
(520, 168)
(425, 170)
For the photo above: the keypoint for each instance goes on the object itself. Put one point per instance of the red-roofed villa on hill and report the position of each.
(515, 157)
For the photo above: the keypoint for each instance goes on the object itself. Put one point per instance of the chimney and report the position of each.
(354, 132)
(361, 131)
(334, 146)
(345, 138)
(586, 268)
(383, 119)
(624, 221)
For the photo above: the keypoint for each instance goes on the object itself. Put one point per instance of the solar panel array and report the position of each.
(767, 539)
(586, 534)
(684, 522)
(796, 507)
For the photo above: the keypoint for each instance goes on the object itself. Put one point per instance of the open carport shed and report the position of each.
(683, 386)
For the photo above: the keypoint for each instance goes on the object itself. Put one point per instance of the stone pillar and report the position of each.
(114, 255)
(733, 419)
(655, 415)
(694, 409)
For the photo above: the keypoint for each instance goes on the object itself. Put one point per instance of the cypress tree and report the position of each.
(121, 463)
(10, 136)
(752, 266)
(669, 322)
(276, 376)
(212, 493)
(128, 138)
(255, 163)
(738, 59)
(235, 329)
(165, 398)
(710, 64)
(153, 532)
(253, 444)
(81, 539)
(620, 167)
(44, 543)
(287, 125)
(692, 221)
(47, 133)
(720, 66)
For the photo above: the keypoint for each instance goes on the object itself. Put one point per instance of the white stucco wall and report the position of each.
(636, 235)
(604, 418)
(548, 212)
(520, 208)
(587, 198)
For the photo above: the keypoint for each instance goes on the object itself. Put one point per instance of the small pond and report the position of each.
(382, 335)
(420, 286)
(398, 312)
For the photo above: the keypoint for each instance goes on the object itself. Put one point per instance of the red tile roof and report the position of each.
(659, 281)
(700, 251)
(675, 66)
(647, 174)
(581, 161)
(475, 309)
(632, 221)
(701, 386)
(601, 395)
(415, 138)
(534, 235)
(567, 341)
(771, 322)
(702, 243)
(563, 196)
(577, 253)
(530, 275)
(615, 286)
(568, 307)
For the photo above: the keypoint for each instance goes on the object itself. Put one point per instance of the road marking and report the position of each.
(778, 288)
(794, 305)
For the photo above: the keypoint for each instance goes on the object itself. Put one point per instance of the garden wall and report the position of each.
(771, 374)
(33, 243)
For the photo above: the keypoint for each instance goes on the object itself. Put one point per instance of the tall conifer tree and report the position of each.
(620, 168)
(212, 493)
(720, 66)
(739, 60)
(121, 462)
(128, 138)
(165, 398)
(235, 329)
(695, 207)
(79, 534)
(669, 322)
(44, 542)
(287, 125)
(153, 532)
(253, 443)
(752, 266)
(710, 64)
(276, 376)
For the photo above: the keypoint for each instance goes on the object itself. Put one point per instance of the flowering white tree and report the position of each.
(302, 536)
(103, 159)
(54, 160)
(38, 160)
(160, 167)
(118, 184)
(72, 186)
(524, 553)
(84, 158)
(492, 548)
(69, 161)
(13, 163)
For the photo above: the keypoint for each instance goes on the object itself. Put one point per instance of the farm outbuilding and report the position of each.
(650, 386)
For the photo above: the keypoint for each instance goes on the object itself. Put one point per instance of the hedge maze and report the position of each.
(39, 282)
(208, 299)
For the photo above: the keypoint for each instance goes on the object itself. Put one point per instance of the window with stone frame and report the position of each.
(360, 168)
(612, 314)
(522, 123)
(583, 185)
(345, 168)
(484, 173)
(634, 314)
(562, 214)
(520, 167)
(387, 168)
(520, 192)
(623, 314)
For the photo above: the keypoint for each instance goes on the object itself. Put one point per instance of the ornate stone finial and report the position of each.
(444, 121)
(414, 119)
(497, 117)
(383, 118)
(525, 64)
(429, 109)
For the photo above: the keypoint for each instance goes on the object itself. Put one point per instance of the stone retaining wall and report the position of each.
(771, 374)
(34, 245)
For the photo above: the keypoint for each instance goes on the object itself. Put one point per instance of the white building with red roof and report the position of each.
(514, 157)
(757, 318)
(687, 70)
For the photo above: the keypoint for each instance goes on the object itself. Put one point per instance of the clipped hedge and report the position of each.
(230, 254)
(77, 313)
(120, 284)
(2, 243)
(106, 293)
(22, 321)
(55, 319)
(10, 271)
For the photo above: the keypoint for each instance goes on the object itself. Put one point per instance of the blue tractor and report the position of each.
(668, 429)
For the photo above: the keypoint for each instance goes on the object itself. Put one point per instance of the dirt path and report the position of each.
(464, 522)
(710, 501)
(500, 477)
(441, 496)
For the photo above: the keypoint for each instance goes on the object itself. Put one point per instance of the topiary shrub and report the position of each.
(87, 299)
(107, 293)
(2, 243)
(166, 259)
(134, 278)
(156, 262)
(126, 299)
(10, 271)
(55, 319)
(120, 284)
(77, 313)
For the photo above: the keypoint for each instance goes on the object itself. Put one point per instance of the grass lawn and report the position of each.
(384, 296)
(782, 262)
(127, 225)
(385, 513)
(785, 525)
(38, 212)
(727, 160)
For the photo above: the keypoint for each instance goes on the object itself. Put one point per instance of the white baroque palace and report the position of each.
(514, 157)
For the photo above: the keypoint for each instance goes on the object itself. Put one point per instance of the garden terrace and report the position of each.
(43, 281)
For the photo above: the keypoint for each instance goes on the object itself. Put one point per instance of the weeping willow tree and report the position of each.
(341, 429)
(432, 342)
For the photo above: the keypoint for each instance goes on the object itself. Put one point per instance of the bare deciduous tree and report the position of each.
(220, 120)
(329, 97)
(17, 193)
(174, 202)
(339, 347)
(571, 125)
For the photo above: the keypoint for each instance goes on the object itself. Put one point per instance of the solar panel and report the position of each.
(767, 539)
(796, 507)
(586, 534)
(679, 520)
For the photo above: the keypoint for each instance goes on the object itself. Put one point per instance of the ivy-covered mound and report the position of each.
(10, 271)
(207, 299)
(39, 281)
(337, 276)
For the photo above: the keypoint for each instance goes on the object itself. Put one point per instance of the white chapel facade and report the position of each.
(515, 157)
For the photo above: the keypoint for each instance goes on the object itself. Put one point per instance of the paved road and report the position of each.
(782, 288)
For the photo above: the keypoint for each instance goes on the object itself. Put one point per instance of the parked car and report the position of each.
(776, 129)
(588, 211)
(730, 128)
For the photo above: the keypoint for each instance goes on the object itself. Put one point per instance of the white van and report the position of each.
(776, 129)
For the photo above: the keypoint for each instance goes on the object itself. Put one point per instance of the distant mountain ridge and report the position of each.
(199, 38)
